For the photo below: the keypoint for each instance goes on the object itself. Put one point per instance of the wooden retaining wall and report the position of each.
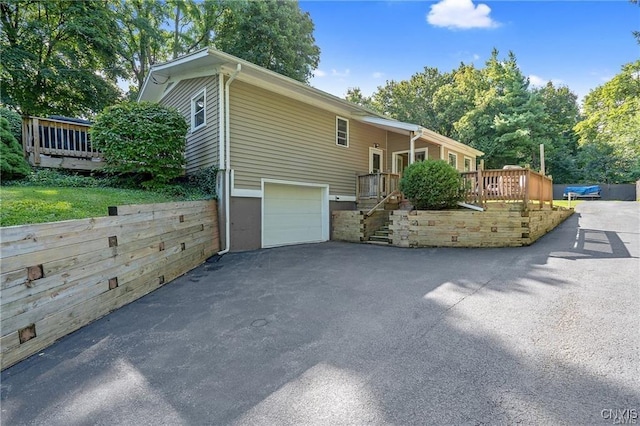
(57, 277)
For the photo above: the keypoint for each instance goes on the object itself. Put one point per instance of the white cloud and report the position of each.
(336, 73)
(319, 73)
(460, 14)
(476, 56)
(538, 81)
(377, 74)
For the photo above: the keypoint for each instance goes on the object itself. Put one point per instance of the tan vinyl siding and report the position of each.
(397, 142)
(276, 137)
(201, 145)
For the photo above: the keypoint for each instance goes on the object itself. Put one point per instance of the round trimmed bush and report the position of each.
(142, 138)
(431, 185)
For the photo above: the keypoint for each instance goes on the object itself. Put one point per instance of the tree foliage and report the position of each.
(431, 185)
(142, 138)
(12, 162)
(142, 39)
(274, 34)
(492, 109)
(611, 126)
(58, 57)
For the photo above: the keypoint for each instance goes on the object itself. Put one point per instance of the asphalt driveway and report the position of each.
(340, 333)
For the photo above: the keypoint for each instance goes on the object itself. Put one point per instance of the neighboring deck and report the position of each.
(59, 143)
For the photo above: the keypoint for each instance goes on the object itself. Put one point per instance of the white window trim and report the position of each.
(193, 110)
(449, 154)
(470, 163)
(347, 121)
(394, 155)
(379, 152)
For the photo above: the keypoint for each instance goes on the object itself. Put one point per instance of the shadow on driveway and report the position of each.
(339, 333)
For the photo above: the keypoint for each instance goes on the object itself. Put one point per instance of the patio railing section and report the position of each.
(376, 186)
(510, 185)
(46, 136)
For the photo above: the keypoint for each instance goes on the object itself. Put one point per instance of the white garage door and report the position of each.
(293, 214)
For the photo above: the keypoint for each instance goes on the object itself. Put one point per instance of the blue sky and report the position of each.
(580, 44)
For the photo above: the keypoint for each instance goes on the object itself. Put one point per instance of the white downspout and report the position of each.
(226, 164)
(412, 147)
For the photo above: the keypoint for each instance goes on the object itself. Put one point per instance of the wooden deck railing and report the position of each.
(46, 136)
(511, 185)
(376, 186)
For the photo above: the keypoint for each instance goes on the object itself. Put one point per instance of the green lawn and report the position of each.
(33, 204)
(565, 203)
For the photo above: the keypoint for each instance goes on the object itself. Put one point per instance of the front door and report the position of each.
(375, 160)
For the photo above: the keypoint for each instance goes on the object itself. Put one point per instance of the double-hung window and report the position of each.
(198, 110)
(453, 160)
(342, 132)
(467, 164)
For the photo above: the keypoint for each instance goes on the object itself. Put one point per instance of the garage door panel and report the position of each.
(293, 214)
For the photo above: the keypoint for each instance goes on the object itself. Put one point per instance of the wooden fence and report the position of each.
(510, 185)
(57, 143)
(57, 277)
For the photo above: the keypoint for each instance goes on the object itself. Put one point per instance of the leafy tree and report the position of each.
(458, 96)
(412, 100)
(142, 37)
(431, 185)
(58, 56)
(12, 162)
(194, 24)
(611, 123)
(562, 114)
(274, 34)
(142, 138)
(354, 95)
(506, 121)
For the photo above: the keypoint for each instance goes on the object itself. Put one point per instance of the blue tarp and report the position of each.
(583, 191)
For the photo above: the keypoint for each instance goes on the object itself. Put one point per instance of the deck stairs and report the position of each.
(381, 236)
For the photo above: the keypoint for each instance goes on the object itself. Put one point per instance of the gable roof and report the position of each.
(210, 61)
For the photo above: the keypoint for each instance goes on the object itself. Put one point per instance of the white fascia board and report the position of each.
(409, 127)
(430, 135)
(202, 53)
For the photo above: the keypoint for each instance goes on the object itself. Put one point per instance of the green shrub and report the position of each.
(142, 138)
(15, 122)
(12, 162)
(64, 179)
(431, 185)
(205, 180)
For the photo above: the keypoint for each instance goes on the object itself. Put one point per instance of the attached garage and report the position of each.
(294, 213)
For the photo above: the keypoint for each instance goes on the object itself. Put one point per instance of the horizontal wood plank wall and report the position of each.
(57, 277)
(201, 145)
